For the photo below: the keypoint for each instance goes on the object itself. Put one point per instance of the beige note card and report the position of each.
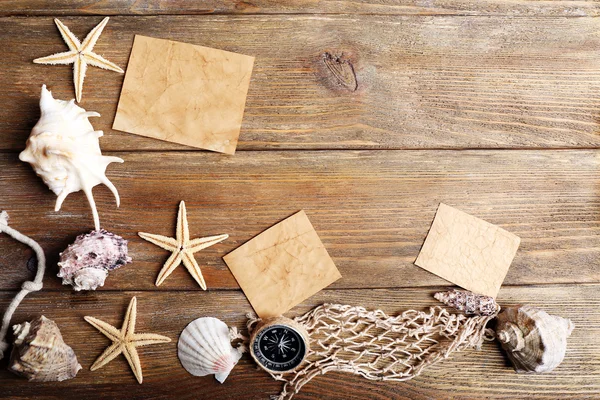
(468, 251)
(282, 266)
(185, 94)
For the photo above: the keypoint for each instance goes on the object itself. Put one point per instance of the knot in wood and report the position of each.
(342, 70)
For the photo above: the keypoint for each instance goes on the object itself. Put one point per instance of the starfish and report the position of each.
(79, 54)
(183, 248)
(124, 341)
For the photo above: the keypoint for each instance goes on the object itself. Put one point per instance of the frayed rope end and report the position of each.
(3, 348)
(3, 219)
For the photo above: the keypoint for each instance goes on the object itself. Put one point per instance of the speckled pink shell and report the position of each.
(85, 263)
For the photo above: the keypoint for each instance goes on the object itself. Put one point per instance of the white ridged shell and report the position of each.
(204, 348)
(64, 150)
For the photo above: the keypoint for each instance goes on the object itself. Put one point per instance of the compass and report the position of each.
(279, 345)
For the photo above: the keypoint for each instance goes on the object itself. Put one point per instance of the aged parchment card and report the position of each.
(282, 266)
(183, 93)
(468, 251)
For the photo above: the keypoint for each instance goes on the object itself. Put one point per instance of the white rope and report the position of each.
(28, 286)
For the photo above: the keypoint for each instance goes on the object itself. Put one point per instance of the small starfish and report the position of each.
(183, 248)
(79, 54)
(124, 341)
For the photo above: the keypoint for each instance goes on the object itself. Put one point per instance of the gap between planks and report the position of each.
(299, 7)
(36, 14)
(340, 149)
(329, 289)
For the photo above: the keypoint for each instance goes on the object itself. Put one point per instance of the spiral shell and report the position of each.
(468, 302)
(64, 151)
(40, 354)
(534, 340)
(85, 263)
(204, 348)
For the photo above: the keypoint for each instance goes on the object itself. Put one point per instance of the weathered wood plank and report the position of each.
(471, 375)
(372, 210)
(391, 7)
(423, 82)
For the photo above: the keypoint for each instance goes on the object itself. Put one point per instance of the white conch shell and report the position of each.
(40, 354)
(534, 340)
(64, 150)
(204, 348)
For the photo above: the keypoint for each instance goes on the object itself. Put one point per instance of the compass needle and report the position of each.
(279, 347)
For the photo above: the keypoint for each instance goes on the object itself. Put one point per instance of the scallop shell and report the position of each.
(64, 151)
(204, 348)
(85, 263)
(40, 354)
(534, 340)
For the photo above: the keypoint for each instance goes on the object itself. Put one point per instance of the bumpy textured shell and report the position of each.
(204, 348)
(533, 340)
(64, 151)
(468, 302)
(85, 263)
(40, 354)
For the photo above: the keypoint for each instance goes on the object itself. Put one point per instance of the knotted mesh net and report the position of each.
(377, 346)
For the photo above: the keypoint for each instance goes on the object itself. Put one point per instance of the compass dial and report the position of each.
(279, 348)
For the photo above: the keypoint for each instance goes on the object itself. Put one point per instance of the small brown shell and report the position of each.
(534, 340)
(40, 354)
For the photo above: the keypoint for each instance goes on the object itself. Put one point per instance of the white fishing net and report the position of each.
(377, 346)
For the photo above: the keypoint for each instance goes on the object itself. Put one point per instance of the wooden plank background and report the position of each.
(548, 198)
(490, 106)
(575, 8)
(472, 375)
(423, 82)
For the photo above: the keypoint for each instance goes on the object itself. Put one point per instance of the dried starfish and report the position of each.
(79, 54)
(124, 341)
(183, 248)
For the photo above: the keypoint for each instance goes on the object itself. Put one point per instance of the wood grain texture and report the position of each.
(393, 7)
(422, 82)
(470, 375)
(371, 209)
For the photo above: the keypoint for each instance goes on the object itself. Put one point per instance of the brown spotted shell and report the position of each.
(468, 302)
(534, 340)
(40, 354)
